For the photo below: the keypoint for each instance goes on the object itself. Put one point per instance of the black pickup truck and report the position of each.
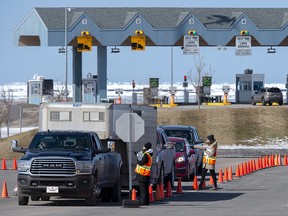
(68, 164)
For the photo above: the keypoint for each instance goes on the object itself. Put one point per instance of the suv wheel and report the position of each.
(280, 103)
(253, 102)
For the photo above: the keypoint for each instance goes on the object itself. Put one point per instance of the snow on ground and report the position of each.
(13, 131)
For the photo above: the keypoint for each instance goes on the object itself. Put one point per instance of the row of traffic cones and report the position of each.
(159, 192)
(245, 168)
(4, 193)
(4, 167)
(252, 166)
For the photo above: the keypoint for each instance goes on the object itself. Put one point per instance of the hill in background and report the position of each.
(239, 126)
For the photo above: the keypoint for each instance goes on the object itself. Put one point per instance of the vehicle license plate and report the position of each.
(52, 190)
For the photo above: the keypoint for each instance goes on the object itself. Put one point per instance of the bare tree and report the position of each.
(59, 93)
(196, 78)
(6, 98)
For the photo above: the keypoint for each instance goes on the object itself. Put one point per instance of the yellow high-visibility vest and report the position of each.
(209, 159)
(144, 170)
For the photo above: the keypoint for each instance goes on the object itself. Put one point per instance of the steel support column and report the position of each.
(101, 73)
(77, 75)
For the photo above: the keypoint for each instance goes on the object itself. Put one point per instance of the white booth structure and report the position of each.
(247, 84)
(39, 90)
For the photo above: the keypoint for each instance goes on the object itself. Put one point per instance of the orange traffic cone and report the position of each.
(241, 169)
(244, 168)
(237, 174)
(161, 191)
(204, 184)
(151, 197)
(279, 160)
(168, 190)
(211, 181)
(230, 174)
(225, 177)
(134, 194)
(4, 190)
(158, 193)
(179, 187)
(14, 164)
(276, 160)
(4, 164)
(248, 164)
(259, 163)
(264, 164)
(270, 161)
(220, 176)
(285, 160)
(195, 183)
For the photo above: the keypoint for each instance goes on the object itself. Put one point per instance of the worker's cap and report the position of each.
(211, 138)
(148, 146)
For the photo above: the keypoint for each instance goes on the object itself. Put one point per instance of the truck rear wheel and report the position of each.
(23, 200)
(116, 191)
(92, 200)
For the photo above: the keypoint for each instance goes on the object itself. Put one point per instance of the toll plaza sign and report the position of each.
(138, 42)
(191, 44)
(84, 43)
(243, 46)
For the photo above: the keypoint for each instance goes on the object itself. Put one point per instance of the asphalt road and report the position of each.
(261, 193)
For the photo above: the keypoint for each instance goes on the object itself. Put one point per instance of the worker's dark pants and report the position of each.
(144, 192)
(212, 173)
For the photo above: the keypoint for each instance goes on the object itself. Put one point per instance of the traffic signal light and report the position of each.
(85, 33)
(192, 32)
(244, 32)
(185, 78)
(133, 84)
(139, 32)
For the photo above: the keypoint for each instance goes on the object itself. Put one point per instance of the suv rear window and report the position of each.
(273, 90)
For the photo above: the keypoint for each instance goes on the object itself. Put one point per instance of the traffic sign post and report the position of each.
(154, 82)
(191, 44)
(136, 128)
(243, 46)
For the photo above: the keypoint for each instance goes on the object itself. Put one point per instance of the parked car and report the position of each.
(267, 95)
(191, 134)
(184, 158)
(165, 158)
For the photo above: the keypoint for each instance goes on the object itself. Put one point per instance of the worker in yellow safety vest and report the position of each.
(209, 160)
(143, 170)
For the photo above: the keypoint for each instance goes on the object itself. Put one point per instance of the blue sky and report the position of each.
(19, 64)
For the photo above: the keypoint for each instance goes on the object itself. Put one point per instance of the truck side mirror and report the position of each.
(14, 144)
(16, 148)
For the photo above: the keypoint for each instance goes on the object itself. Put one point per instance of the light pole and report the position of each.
(66, 53)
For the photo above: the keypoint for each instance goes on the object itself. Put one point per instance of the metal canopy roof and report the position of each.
(162, 26)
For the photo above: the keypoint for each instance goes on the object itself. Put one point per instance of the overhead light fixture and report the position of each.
(61, 50)
(220, 47)
(115, 50)
(271, 50)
